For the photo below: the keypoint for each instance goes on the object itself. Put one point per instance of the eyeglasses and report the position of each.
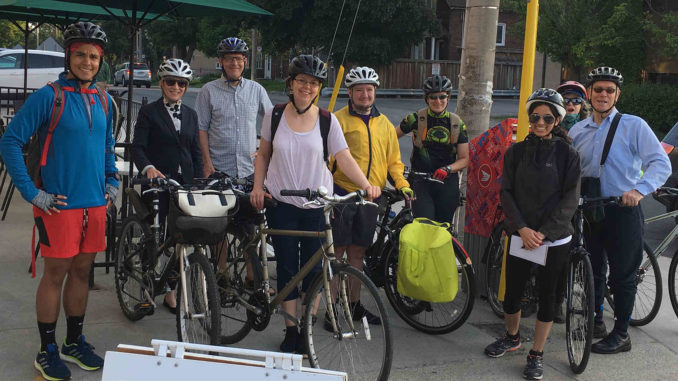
(548, 119)
(438, 97)
(574, 101)
(171, 82)
(609, 90)
(303, 82)
(236, 59)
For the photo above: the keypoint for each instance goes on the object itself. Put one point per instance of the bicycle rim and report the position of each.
(200, 322)
(234, 323)
(580, 312)
(672, 283)
(129, 269)
(648, 289)
(433, 318)
(361, 349)
(495, 255)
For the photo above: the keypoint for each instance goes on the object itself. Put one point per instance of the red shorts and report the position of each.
(71, 232)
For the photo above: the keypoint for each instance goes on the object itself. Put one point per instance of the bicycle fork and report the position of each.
(183, 264)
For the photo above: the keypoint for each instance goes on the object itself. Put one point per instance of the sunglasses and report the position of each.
(574, 101)
(438, 97)
(172, 82)
(548, 119)
(609, 90)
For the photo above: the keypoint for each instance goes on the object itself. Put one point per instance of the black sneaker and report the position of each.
(289, 344)
(502, 345)
(358, 312)
(534, 369)
(599, 330)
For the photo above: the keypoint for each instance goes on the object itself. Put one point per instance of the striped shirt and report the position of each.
(229, 115)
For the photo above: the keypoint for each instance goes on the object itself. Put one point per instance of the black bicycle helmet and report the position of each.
(232, 45)
(308, 64)
(548, 96)
(604, 73)
(85, 31)
(437, 84)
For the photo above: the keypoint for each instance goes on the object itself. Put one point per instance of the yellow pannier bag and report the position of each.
(427, 269)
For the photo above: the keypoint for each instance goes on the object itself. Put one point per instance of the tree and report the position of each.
(10, 35)
(581, 34)
(662, 27)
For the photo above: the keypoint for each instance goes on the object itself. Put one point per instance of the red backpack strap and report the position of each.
(57, 110)
(103, 98)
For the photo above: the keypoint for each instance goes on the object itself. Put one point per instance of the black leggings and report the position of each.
(434, 200)
(518, 271)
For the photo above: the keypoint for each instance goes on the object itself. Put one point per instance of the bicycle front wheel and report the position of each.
(673, 285)
(198, 314)
(580, 311)
(362, 347)
(130, 270)
(432, 318)
(494, 254)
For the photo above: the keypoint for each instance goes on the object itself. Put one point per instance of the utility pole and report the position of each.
(253, 59)
(475, 88)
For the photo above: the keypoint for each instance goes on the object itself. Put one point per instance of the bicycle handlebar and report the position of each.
(157, 181)
(587, 202)
(422, 175)
(321, 193)
(668, 190)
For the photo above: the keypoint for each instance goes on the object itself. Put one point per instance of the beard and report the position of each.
(362, 109)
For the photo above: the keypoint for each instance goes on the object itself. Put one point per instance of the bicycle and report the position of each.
(147, 258)
(381, 265)
(354, 346)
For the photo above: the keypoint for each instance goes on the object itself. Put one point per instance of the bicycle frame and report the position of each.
(669, 237)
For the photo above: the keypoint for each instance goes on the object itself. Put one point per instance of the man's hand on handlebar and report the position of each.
(257, 197)
(631, 198)
(152, 173)
(408, 193)
(207, 169)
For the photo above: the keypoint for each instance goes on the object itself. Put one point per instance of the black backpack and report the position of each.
(36, 156)
(325, 120)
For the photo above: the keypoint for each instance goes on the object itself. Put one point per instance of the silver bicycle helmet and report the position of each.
(308, 64)
(437, 84)
(548, 96)
(360, 75)
(85, 31)
(175, 67)
(604, 73)
(232, 45)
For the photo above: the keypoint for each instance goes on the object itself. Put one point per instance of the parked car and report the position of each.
(142, 74)
(43, 66)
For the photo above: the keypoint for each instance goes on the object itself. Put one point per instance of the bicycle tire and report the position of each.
(367, 352)
(203, 299)
(235, 324)
(649, 291)
(494, 252)
(673, 283)
(130, 270)
(432, 318)
(580, 311)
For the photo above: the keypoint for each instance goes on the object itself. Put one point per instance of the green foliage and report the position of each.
(10, 35)
(656, 103)
(663, 30)
(581, 34)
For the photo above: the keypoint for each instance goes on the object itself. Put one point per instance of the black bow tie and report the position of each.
(174, 109)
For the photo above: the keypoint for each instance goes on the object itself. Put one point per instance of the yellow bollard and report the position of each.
(337, 85)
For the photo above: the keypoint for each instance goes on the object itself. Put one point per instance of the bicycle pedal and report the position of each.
(146, 308)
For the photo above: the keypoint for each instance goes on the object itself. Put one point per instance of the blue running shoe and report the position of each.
(50, 365)
(81, 354)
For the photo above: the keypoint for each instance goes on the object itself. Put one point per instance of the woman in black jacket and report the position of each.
(166, 141)
(539, 194)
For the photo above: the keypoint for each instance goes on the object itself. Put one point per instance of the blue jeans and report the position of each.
(617, 241)
(292, 253)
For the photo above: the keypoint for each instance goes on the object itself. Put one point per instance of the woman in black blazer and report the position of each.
(166, 140)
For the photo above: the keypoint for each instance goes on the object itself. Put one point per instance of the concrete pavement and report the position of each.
(417, 356)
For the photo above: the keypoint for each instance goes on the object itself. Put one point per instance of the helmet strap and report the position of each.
(300, 111)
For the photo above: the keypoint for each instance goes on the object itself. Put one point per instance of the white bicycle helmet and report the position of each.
(175, 67)
(361, 74)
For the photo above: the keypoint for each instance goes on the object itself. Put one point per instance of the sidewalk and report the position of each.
(417, 356)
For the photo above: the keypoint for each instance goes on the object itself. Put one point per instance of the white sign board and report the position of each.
(435, 69)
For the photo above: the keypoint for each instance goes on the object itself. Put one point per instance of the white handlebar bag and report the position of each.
(200, 216)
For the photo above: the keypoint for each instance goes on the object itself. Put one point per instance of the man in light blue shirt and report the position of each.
(618, 238)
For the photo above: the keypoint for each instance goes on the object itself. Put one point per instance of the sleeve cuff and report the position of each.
(146, 168)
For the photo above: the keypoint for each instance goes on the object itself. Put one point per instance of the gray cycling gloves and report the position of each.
(44, 200)
(112, 192)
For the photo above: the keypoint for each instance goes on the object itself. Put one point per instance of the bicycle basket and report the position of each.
(200, 217)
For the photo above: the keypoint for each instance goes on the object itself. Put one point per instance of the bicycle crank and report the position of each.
(259, 321)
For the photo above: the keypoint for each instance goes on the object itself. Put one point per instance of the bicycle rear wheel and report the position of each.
(198, 316)
(362, 349)
(432, 318)
(673, 284)
(580, 311)
(649, 290)
(494, 254)
(130, 271)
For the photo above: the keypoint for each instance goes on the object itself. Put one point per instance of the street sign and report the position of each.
(435, 69)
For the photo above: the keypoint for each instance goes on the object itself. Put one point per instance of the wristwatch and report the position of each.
(449, 169)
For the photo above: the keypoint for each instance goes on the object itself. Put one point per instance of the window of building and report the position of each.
(260, 60)
(501, 34)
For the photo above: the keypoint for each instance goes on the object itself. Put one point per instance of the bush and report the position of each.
(656, 103)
